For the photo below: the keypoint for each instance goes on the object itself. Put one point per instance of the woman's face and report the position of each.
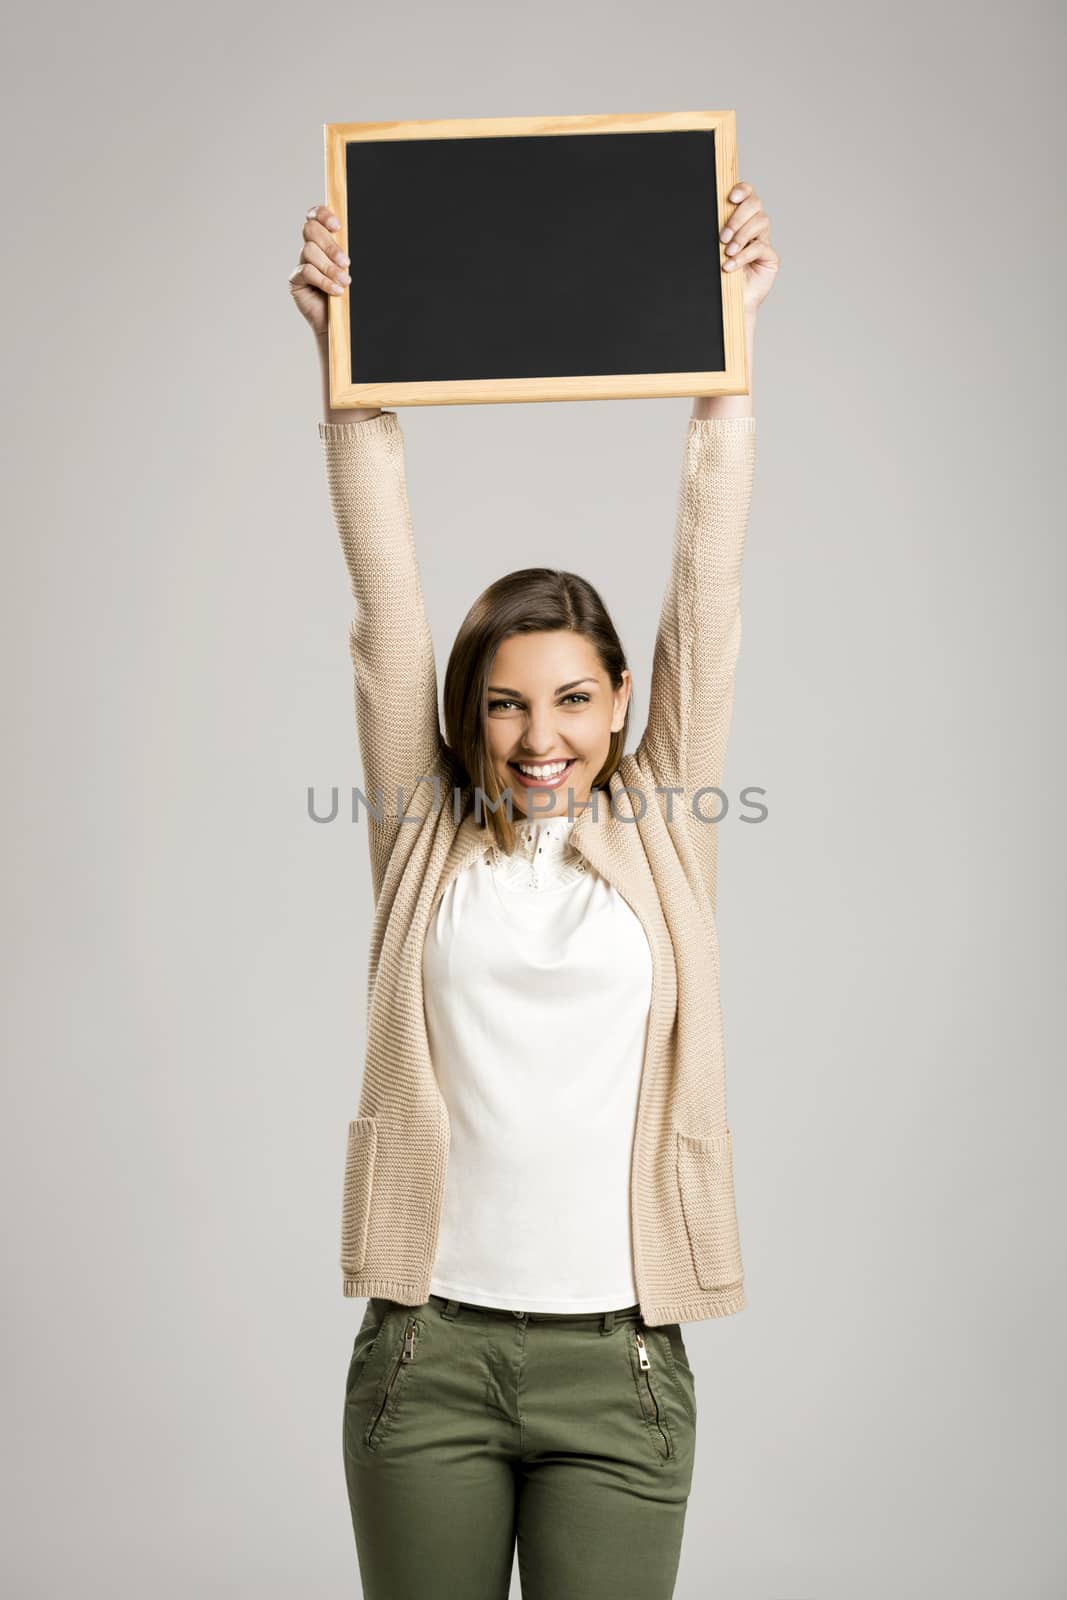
(550, 702)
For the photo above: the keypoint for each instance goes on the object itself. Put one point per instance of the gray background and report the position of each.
(186, 949)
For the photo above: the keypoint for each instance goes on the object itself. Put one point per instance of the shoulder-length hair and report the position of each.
(531, 600)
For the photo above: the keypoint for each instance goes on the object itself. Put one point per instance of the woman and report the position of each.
(539, 1186)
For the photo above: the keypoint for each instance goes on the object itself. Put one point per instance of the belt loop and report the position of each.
(607, 1322)
(450, 1309)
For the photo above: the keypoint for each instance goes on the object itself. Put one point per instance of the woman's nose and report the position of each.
(539, 737)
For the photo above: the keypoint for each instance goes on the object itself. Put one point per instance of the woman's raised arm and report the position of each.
(390, 643)
(699, 634)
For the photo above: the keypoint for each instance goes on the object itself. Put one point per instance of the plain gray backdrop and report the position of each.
(186, 949)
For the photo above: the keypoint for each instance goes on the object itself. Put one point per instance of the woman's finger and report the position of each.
(748, 207)
(316, 233)
(307, 275)
(322, 226)
(324, 215)
(758, 226)
(760, 250)
(317, 257)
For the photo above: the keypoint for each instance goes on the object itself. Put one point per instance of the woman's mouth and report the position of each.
(541, 774)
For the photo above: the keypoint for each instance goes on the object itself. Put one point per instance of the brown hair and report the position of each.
(531, 600)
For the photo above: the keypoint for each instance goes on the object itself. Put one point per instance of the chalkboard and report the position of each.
(522, 259)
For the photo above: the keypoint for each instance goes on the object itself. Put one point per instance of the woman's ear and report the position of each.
(622, 701)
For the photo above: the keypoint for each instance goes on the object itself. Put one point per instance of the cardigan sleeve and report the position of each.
(390, 642)
(699, 634)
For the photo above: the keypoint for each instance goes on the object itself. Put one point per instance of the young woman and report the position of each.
(538, 1186)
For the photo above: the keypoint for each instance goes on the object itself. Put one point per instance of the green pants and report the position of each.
(469, 1431)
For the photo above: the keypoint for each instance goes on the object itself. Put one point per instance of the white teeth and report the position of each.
(542, 772)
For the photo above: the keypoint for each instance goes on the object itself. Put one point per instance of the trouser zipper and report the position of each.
(646, 1366)
(407, 1353)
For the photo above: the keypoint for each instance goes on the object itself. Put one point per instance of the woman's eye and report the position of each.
(496, 705)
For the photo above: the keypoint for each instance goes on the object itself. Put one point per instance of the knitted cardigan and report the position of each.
(646, 835)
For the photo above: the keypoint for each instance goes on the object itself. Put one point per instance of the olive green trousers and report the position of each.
(471, 1432)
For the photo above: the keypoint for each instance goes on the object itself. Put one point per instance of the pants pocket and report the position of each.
(387, 1396)
(683, 1381)
(365, 1340)
(678, 1349)
(651, 1381)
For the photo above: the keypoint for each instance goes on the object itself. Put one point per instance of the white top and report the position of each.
(537, 984)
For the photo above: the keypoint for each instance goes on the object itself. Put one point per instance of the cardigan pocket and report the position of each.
(355, 1207)
(706, 1186)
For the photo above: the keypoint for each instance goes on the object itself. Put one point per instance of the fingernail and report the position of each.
(332, 222)
(731, 248)
(727, 233)
(345, 278)
(342, 259)
(728, 264)
(311, 214)
(735, 194)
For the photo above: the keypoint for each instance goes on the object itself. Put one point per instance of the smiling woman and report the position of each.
(539, 651)
(538, 1186)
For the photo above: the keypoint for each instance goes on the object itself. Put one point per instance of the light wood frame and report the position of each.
(614, 386)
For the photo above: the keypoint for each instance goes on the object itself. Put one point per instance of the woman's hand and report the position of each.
(746, 235)
(322, 269)
(748, 246)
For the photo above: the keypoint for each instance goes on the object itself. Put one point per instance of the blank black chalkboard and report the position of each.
(561, 258)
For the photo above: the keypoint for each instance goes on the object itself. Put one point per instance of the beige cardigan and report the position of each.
(687, 1258)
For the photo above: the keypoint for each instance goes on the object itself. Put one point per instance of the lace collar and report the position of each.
(543, 856)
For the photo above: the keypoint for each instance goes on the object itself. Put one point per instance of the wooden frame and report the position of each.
(734, 380)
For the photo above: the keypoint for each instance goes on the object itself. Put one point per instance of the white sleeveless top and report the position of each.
(537, 984)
